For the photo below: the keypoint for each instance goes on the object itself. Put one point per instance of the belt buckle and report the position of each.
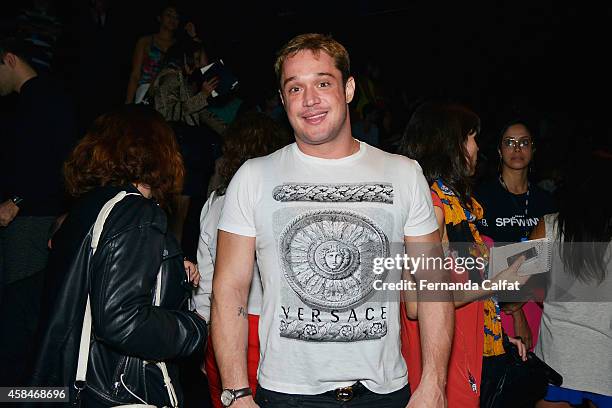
(344, 394)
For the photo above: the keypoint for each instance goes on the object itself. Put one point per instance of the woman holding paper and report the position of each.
(183, 103)
(442, 138)
(176, 96)
(513, 205)
(576, 331)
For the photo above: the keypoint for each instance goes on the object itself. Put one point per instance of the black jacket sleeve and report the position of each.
(123, 278)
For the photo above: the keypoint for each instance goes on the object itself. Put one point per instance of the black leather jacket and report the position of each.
(127, 330)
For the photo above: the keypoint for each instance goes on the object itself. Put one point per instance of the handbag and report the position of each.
(523, 383)
(80, 381)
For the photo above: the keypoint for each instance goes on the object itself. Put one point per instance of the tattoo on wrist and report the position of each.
(242, 312)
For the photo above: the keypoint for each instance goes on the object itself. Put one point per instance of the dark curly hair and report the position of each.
(435, 136)
(130, 145)
(253, 134)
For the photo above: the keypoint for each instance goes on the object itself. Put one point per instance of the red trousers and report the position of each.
(212, 371)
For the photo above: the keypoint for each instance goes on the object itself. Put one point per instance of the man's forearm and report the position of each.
(229, 331)
(436, 324)
(436, 316)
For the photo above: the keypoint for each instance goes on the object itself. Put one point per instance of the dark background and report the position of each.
(541, 58)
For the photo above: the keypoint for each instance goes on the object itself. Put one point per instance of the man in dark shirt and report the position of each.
(36, 139)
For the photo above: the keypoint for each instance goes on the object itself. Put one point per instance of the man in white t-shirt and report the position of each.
(317, 214)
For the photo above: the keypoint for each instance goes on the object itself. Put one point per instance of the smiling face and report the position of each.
(516, 147)
(315, 98)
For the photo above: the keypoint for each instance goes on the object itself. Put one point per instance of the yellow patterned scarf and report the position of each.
(455, 214)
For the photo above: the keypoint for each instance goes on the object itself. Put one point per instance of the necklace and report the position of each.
(526, 212)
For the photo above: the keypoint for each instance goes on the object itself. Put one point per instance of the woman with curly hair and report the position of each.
(129, 157)
(252, 135)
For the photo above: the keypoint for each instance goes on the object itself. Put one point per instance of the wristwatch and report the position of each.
(228, 396)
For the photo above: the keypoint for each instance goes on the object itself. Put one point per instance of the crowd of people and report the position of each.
(189, 251)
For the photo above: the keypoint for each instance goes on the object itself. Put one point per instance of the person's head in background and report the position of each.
(132, 145)
(313, 73)
(99, 6)
(516, 146)
(168, 18)
(271, 105)
(15, 67)
(253, 134)
(187, 55)
(442, 138)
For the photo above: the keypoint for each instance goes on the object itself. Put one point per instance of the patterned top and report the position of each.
(456, 216)
(151, 64)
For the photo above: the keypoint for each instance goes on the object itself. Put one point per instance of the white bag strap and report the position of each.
(86, 331)
(161, 364)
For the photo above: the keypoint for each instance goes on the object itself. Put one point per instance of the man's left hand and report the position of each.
(8, 211)
(428, 396)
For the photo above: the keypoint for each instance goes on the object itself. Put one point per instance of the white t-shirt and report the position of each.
(207, 251)
(318, 225)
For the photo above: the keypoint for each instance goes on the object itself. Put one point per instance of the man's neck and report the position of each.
(342, 146)
(516, 181)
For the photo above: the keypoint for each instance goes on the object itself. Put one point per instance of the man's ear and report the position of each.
(349, 89)
(10, 59)
(280, 93)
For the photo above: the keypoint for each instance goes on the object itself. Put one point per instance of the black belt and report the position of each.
(345, 394)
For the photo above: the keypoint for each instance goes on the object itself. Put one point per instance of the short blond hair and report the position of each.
(315, 43)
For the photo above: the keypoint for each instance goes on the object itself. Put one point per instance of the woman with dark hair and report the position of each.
(442, 138)
(513, 205)
(149, 53)
(129, 157)
(576, 330)
(252, 135)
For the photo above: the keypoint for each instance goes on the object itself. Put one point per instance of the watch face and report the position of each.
(227, 397)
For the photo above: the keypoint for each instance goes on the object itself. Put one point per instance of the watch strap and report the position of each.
(235, 394)
(243, 392)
